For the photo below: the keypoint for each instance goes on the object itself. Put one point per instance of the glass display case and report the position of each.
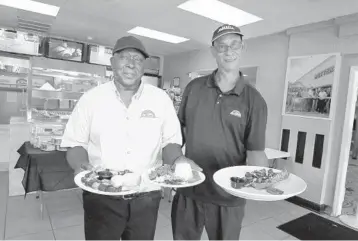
(52, 96)
(176, 96)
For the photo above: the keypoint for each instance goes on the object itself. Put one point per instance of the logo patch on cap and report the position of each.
(226, 27)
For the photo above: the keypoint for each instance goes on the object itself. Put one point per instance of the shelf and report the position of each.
(58, 122)
(56, 95)
(21, 75)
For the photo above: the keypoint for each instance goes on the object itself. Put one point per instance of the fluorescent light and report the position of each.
(220, 12)
(149, 33)
(32, 6)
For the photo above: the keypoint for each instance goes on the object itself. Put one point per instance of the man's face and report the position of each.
(128, 67)
(227, 51)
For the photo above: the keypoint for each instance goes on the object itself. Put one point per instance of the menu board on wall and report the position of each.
(64, 50)
(19, 42)
(99, 55)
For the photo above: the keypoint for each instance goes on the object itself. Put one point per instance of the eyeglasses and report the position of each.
(137, 59)
(222, 48)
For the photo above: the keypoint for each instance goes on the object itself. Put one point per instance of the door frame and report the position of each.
(343, 161)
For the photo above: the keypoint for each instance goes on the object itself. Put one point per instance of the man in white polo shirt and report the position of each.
(123, 124)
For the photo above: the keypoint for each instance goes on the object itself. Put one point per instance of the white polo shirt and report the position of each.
(118, 137)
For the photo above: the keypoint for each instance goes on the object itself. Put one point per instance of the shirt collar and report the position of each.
(239, 87)
(136, 96)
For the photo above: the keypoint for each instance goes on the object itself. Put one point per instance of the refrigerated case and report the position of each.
(52, 96)
(152, 79)
(14, 72)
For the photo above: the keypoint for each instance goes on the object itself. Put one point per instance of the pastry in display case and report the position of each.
(176, 96)
(52, 96)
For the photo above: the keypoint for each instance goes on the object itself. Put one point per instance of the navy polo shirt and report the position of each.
(219, 129)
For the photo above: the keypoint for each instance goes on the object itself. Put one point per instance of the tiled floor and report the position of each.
(351, 194)
(63, 217)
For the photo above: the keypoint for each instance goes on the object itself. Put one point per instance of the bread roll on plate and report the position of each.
(131, 179)
(184, 171)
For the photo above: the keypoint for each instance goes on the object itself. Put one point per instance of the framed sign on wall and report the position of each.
(311, 85)
(176, 82)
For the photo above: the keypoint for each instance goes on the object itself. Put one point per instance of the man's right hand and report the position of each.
(84, 167)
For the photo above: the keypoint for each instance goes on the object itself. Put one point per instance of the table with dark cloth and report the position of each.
(44, 170)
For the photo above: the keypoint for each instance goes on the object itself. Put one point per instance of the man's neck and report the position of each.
(126, 93)
(126, 90)
(226, 80)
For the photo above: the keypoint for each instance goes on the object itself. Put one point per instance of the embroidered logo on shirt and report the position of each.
(147, 114)
(236, 113)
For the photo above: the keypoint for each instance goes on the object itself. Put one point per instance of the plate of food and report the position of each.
(108, 182)
(180, 176)
(259, 183)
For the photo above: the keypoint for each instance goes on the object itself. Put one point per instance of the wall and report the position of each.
(322, 41)
(270, 54)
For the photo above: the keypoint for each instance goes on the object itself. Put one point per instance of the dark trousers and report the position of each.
(114, 218)
(189, 217)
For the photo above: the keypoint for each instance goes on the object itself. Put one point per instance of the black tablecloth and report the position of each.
(45, 171)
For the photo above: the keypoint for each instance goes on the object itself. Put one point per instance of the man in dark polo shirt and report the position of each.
(224, 122)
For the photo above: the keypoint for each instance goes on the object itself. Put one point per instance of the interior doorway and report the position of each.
(346, 194)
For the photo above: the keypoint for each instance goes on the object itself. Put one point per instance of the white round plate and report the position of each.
(292, 186)
(189, 184)
(80, 184)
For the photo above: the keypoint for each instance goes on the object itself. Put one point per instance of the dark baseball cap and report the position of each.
(130, 42)
(225, 29)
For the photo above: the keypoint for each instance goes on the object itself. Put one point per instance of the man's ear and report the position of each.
(112, 60)
(213, 51)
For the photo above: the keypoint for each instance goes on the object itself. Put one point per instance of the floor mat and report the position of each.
(315, 227)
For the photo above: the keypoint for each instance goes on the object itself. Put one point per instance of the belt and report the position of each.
(132, 196)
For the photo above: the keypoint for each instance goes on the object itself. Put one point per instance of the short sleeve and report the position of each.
(256, 128)
(183, 105)
(78, 126)
(171, 130)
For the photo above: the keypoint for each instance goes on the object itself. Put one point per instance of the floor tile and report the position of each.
(204, 236)
(163, 221)
(4, 193)
(291, 238)
(251, 218)
(70, 233)
(252, 233)
(26, 225)
(165, 208)
(47, 235)
(63, 203)
(79, 195)
(163, 233)
(269, 226)
(67, 218)
(30, 207)
(284, 217)
(68, 193)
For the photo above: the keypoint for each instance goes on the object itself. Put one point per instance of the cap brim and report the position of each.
(145, 54)
(231, 32)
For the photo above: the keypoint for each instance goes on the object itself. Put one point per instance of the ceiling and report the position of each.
(107, 20)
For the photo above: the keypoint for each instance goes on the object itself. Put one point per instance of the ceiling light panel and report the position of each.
(32, 6)
(149, 33)
(220, 12)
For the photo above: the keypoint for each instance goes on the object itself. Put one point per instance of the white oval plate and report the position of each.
(189, 184)
(80, 184)
(292, 186)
